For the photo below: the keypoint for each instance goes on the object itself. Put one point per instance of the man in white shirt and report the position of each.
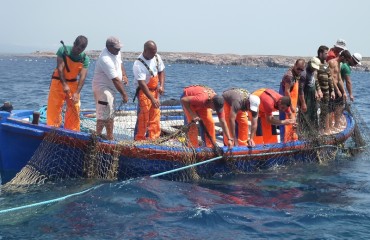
(149, 74)
(109, 76)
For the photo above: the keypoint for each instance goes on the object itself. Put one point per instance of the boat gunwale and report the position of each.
(201, 152)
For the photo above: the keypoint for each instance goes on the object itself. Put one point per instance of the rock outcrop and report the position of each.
(214, 59)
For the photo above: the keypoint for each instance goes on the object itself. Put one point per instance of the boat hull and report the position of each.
(21, 142)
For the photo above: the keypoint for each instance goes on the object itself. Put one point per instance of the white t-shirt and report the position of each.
(107, 67)
(141, 72)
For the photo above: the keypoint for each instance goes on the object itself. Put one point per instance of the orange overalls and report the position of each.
(266, 133)
(148, 116)
(57, 98)
(204, 112)
(241, 124)
(288, 132)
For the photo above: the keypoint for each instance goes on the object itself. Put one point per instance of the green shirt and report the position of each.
(82, 57)
(345, 70)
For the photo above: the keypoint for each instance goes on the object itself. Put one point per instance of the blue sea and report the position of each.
(301, 201)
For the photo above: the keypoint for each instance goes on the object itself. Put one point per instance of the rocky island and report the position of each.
(276, 61)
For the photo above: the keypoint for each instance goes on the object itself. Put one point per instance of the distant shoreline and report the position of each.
(276, 61)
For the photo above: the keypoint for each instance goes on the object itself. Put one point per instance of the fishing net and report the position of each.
(71, 155)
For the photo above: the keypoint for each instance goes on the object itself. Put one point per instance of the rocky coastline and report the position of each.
(275, 61)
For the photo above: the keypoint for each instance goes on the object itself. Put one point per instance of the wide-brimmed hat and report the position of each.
(341, 43)
(357, 58)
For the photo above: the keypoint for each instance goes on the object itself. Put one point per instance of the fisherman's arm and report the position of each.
(225, 129)
(161, 77)
(185, 102)
(302, 83)
(60, 67)
(124, 75)
(318, 93)
(287, 93)
(274, 121)
(254, 124)
(341, 87)
(232, 125)
(120, 88)
(81, 82)
(349, 86)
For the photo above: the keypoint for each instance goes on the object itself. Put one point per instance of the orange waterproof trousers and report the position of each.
(148, 118)
(207, 119)
(288, 132)
(241, 125)
(56, 100)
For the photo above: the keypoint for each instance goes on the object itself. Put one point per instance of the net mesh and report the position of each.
(70, 155)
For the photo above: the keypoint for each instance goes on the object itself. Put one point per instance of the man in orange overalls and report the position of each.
(238, 102)
(149, 73)
(66, 84)
(289, 87)
(271, 101)
(198, 102)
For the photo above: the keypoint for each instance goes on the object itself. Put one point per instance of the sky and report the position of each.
(244, 27)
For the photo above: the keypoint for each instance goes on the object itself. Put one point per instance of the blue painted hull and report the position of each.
(19, 140)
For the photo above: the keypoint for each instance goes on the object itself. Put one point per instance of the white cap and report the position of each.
(357, 58)
(315, 63)
(254, 103)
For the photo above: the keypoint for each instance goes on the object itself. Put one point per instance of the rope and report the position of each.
(48, 201)
(185, 167)
(216, 149)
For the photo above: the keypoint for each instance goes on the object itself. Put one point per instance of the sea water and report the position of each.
(302, 201)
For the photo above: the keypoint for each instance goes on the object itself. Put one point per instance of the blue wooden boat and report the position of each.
(20, 140)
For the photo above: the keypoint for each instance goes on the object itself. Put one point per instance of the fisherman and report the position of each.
(289, 86)
(307, 116)
(271, 101)
(326, 89)
(345, 71)
(6, 107)
(198, 102)
(340, 93)
(150, 76)
(237, 102)
(109, 77)
(66, 84)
